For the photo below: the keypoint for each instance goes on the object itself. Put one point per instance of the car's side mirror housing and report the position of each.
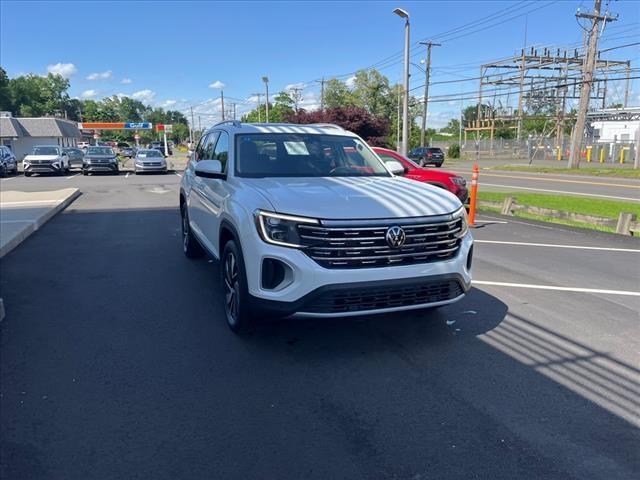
(209, 169)
(395, 167)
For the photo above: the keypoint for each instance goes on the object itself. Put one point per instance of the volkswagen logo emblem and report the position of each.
(395, 237)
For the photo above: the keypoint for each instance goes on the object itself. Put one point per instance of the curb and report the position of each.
(35, 225)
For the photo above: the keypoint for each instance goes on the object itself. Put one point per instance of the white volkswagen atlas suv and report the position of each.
(308, 221)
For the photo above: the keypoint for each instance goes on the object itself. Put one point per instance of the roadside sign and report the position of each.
(86, 133)
(138, 125)
(168, 128)
(159, 127)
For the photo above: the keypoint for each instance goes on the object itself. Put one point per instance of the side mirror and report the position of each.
(209, 169)
(395, 167)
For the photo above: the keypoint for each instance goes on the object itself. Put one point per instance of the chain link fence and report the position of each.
(545, 148)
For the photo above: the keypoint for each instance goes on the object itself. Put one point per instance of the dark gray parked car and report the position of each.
(427, 156)
(75, 156)
(8, 161)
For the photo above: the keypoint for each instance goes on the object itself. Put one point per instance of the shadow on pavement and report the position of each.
(115, 362)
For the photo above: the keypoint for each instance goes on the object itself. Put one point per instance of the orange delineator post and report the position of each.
(474, 194)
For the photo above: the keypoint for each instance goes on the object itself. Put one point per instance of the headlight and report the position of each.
(459, 181)
(464, 227)
(86, 160)
(279, 229)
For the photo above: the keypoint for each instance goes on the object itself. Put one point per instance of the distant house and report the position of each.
(22, 134)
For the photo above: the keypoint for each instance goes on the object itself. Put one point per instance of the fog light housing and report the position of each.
(274, 273)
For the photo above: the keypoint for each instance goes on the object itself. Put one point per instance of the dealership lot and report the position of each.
(115, 358)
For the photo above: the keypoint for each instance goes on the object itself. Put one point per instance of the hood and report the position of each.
(42, 157)
(354, 197)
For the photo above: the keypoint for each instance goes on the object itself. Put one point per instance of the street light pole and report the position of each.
(259, 105)
(405, 103)
(427, 75)
(266, 86)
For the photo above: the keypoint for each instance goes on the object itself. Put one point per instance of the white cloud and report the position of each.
(145, 96)
(65, 69)
(292, 86)
(217, 84)
(169, 103)
(100, 75)
(89, 93)
(126, 81)
(351, 81)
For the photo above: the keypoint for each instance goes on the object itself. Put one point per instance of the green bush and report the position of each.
(454, 151)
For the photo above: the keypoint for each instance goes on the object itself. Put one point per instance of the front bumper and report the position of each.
(308, 286)
(151, 168)
(42, 167)
(100, 167)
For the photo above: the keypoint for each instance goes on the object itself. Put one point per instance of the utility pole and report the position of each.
(234, 110)
(258, 95)
(427, 75)
(296, 96)
(405, 103)
(265, 79)
(587, 80)
(200, 123)
(398, 134)
(222, 103)
(321, 82)
(191, 129)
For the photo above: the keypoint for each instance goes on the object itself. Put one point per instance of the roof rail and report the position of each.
(329, 125)
(235, 123)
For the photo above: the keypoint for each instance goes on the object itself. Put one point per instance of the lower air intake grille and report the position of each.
(363, 298)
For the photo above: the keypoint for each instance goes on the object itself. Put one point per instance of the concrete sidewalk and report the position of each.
(22, 213)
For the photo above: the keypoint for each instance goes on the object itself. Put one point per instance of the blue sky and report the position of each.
(168, 53)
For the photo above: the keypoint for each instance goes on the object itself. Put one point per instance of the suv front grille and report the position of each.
(366, 298)
(366, 246)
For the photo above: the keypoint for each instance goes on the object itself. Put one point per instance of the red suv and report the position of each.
(447, 180)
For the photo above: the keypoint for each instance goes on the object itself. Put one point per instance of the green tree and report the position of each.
(371, 91)
(337, 94)
(6, 103)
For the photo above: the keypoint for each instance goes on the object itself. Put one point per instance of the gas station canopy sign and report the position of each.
(116, 125)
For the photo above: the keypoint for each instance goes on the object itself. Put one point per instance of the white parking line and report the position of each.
(71, 176)
(563, 192)
(8, 178)
(575, 247)
(127, 175)
(177, 174)
(490, 221)
(554, 287)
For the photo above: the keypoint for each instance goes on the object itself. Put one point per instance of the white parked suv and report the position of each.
(308, 221)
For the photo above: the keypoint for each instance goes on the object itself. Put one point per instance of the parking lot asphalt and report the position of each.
(115, 361)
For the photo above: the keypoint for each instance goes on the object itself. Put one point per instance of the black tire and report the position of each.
(27, 174)
(233, 279)
(85, 173)
(190, 245)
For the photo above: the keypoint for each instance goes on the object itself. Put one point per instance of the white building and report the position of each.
(615, 125)
(22, 134)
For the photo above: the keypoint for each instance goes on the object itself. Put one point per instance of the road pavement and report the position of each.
(115, 360)
(607, 188)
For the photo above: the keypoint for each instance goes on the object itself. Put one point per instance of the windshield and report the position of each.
(150, 153)
(100, 151)
(45, 151)
(304, 155)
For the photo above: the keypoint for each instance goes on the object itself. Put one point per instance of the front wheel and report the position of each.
(236, 293)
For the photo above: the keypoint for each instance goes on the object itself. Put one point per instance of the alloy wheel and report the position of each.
(231, 288)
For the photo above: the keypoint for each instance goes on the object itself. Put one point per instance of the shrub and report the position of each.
(454, 151)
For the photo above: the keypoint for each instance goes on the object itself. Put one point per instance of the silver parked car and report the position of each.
(149, 160)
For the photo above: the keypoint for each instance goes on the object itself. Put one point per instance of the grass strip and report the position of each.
(567, 203)
(589, 171)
